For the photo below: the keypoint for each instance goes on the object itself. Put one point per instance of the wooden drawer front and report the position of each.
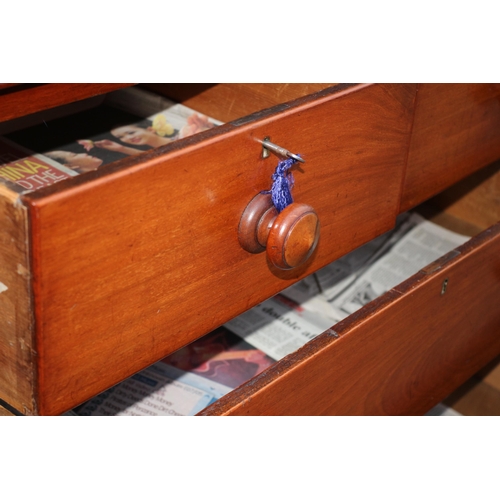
(400, 354)
(456, 132)
(132, 265)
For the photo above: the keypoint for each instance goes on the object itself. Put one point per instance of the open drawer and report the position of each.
(404, 352)
(401, 353)
(399, 356)
(107, 272)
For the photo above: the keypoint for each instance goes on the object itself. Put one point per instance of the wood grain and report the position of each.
(230, 101)
(456, 131)
(399, 355)
(475, 199)
(491, 374)
(4, 412)
(21, 101)
(475, 398)
(16, 318)
(293, 236)
(131, 264)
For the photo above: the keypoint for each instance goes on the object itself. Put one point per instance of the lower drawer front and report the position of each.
(134, 264)
(400, 354)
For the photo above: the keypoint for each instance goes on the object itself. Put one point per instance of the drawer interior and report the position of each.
(436, 344)
(67, 123)
(230, 101)
(87, 128)
(468, 209)
(88, 135)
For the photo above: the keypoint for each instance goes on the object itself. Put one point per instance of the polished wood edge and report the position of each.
(18, 364)
(123, 167)
(265, 380)
(340, 332)
(36, 290)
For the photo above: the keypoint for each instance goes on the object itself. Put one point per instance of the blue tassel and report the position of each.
(281, 190)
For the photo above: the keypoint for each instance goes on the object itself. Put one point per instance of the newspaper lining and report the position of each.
(346, 285)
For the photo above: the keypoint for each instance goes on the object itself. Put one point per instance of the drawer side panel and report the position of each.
(229, 101)
(16, 329)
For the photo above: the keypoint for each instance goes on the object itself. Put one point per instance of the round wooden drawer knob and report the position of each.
(289, 237)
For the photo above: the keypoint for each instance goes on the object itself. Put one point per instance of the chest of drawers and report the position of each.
(108, 272)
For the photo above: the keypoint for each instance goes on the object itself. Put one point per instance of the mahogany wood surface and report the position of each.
(289, 237)
(131, 264)
(4, 412)
(16, 329)
(475, 199)
(229, 101)
(19, 100)
(293, 236)
(399, 355)
(256, 222)
(490, 374)
(475, 398)
(456, 131)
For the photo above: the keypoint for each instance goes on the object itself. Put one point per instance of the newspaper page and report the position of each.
(349, 283)
(278, 326)
(86, 141)
(185, 382)
(422, 245)
(317, 291)
(158, 390)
